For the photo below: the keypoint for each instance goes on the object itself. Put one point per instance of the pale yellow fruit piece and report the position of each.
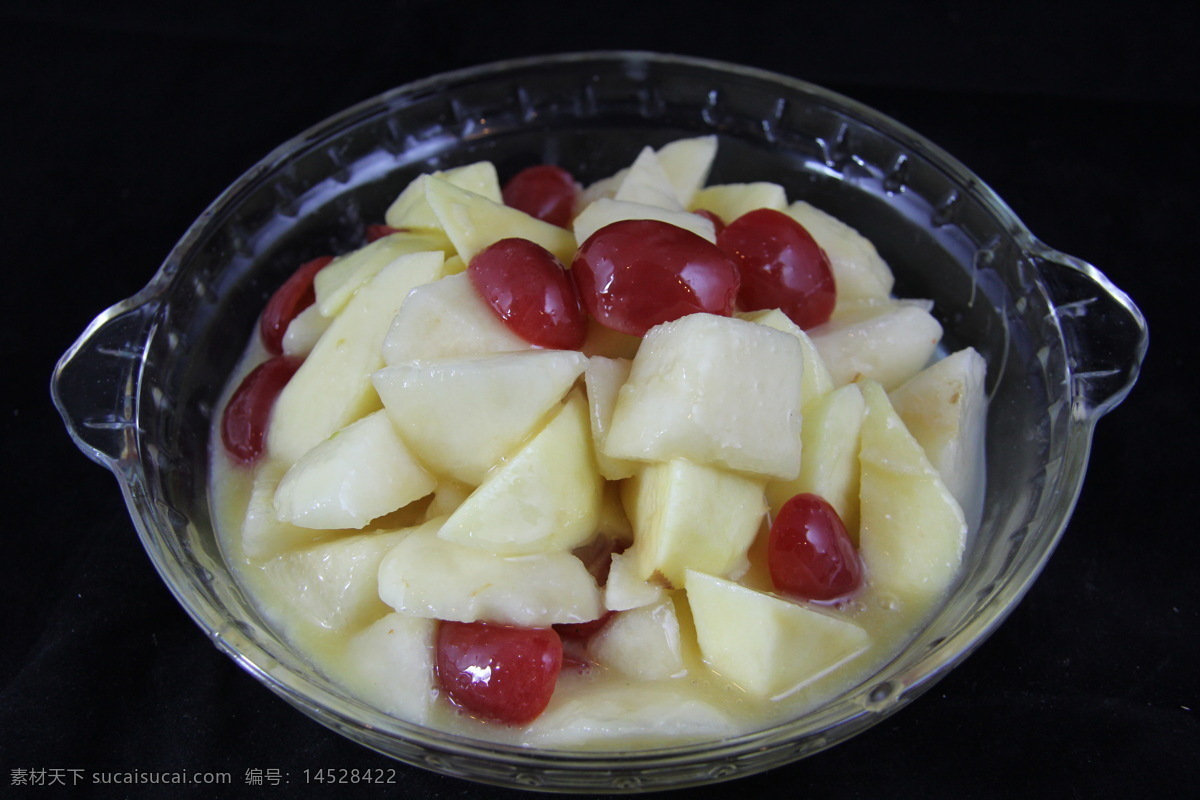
(858, 270)
(304, 331)
(606, 211)
(447, 319)
(912, 532)
(731, 200)
(714, 390)
(447, 497)
(628, 715)
(411, 209)
(333, 583)
(687, 163)
(344, 276)
(692, 516)
(427, 576)
(643, 643)
(768, 646)
(603, 379)
(815, 380)
(333, 388)
(461, 416)
(625, 588)
(603, 188)
(545, 497)
(390, 664)
(890, 345)
(646, 182)
(263, 534)
(945, 408)
(829, 468)
(472, 222)
(358, 474)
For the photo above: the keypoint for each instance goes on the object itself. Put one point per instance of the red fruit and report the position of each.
(244, 424)
(635, 274)
(781, 266)
(498, 672)
(583, 630)
(544, 191)
(530, 291)
(294, 296)
(718, 223)
(809, 552)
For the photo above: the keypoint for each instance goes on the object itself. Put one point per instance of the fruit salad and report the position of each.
(635, 463)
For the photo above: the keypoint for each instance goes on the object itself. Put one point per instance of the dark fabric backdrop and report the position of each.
(121, 121)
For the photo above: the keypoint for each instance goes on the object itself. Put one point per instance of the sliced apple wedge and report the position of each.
(606, 211)
(691, 516)
(304, 331)
(647, 183)
(731, 200)
(472, 222)
(829, 466)
(643, 643)
(858, 270)
(815, 380)
(546, 497)
(945, 408)
(603, 379)
(411, 209)
(714, 390)
(427, 576)
(625, 588)
(889, 344)
(447, 319)
(361, 472)
(333, 583)
(333, 388)
(396, 645)
(687, 163)
(912, 532)
(344, 276)
(461, 416)
(263, 535)
(786, 646)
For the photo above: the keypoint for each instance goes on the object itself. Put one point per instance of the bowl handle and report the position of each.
(1105, 333)
(94, 383)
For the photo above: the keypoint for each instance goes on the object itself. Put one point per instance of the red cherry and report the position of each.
(295, 295)
(638, 273)
(530, 291)
(499, 672)
(781, 266)
(244, 423)
(809, 552)
(543, 191)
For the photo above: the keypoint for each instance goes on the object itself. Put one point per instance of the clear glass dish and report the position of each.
(1063, 347)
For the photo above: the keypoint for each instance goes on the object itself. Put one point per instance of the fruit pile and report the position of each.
(536, 434)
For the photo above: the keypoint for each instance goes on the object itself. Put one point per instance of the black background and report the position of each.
(121, 121)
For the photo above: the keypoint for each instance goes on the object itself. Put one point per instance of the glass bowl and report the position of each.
(1063, 346)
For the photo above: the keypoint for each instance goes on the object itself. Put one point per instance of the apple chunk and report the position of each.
(461, 416)
(858, 270)
(411, 210)
(714, 390)
(912, 532)
(691, 516)
(390, 665)
(361, 472)
(767, 645)
(333, 388)
(945, 408)
(546, 497)
(890, 344)
(642, 642)
(427, 576)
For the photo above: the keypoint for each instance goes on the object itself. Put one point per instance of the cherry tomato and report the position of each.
(543, 191)
(781, 266)
(638, 273)
(244, 423)
(718, 223)
(809, 552)
(498, 672)
(530, 291)
(377, 231)
(294, 296)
